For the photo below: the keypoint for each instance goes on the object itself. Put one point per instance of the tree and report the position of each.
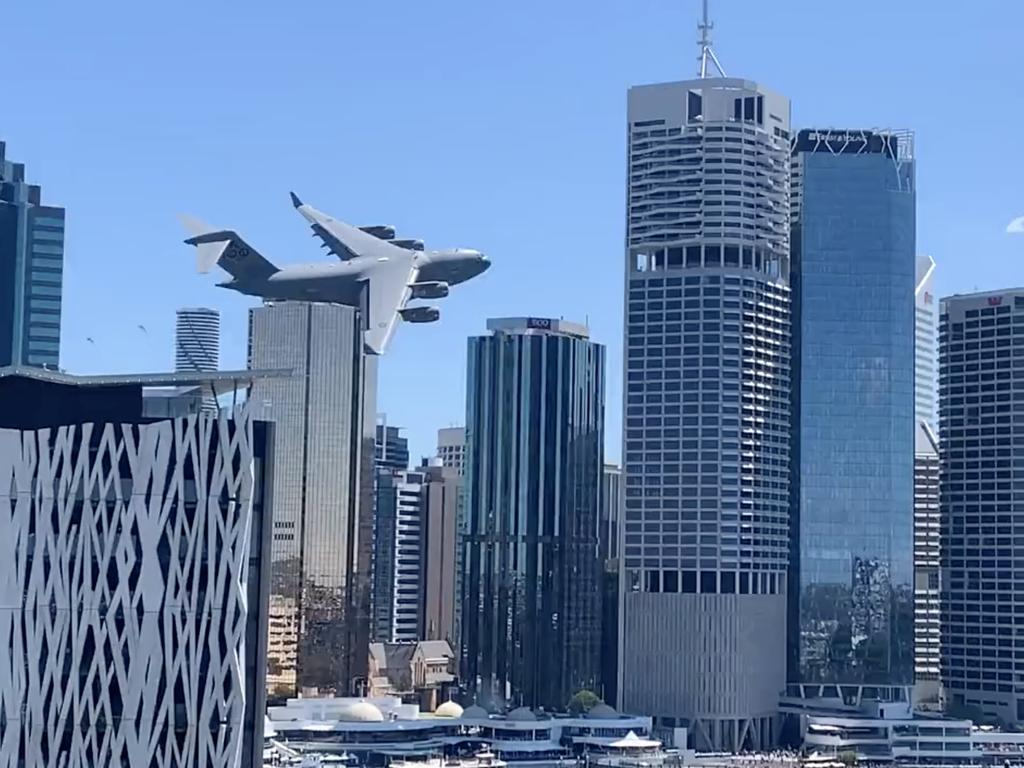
(582, 702)
(847, 757)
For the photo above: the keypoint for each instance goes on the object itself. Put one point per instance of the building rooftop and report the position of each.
(538, 325)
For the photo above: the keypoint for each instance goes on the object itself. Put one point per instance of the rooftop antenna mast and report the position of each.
(706, 53)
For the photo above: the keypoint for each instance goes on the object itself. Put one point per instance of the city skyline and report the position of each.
(120, 118)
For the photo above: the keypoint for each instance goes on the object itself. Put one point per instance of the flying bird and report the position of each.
(1016, 226)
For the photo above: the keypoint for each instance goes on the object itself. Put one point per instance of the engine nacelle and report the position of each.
(380, 231)
(409, 245)
(432, 289)
(420, 314)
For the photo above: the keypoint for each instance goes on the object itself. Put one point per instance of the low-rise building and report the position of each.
(423, 668)
(375, 730)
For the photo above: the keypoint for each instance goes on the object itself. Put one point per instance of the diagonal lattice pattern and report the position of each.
(123, 593)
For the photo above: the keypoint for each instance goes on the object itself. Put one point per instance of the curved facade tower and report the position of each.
(707, 414)
(197, 340)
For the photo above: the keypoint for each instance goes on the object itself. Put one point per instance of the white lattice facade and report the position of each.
(125, 594)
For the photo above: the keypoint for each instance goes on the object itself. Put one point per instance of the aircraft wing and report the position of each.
(336, 235)
(387, 292)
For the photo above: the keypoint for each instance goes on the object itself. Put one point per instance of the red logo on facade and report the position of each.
(995, 301)
(927, 298)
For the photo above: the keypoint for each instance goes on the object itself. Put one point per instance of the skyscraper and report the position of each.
(197, 339)
(451, 447)
(612, 502)
(981, 417)
(926, 345)
(707, 413)
(531, 606)
(851, 578)
(320, 549)
(442, 494)
(927, 565)
(391, 448)
(927, 536)
(398, 560)
(31, 271)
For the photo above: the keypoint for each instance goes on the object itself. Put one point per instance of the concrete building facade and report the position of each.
(702, 633)
(981, 427)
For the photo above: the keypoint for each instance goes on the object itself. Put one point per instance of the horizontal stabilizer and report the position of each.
(227, 249)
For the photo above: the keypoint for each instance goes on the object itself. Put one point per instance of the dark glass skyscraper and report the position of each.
(31, 271)
(851, 576)
(981, 423)
(531, 616)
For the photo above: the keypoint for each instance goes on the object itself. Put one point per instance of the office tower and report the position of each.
(31, 271)
(391, 449)
(322, 527)
(110, 530)
(197, 339)
(451, 447)
(397, 562)
(707, 415)
(442, 494)
(927, 566)
(612, 503)
(927, 573)
(981, 418)
(851, 577)
(531, 605)
(926, 345)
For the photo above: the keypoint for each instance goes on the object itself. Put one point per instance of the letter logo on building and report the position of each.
(995, 301)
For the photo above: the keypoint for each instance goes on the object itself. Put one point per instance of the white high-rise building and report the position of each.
(398, 545)
(451, 448)
(702, 639)
(926, 345)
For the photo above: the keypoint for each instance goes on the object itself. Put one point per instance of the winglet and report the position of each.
(295, 200)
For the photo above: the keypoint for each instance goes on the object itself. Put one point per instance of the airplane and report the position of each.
(375, 272)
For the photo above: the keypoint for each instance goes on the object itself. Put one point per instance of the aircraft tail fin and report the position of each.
(225, 248)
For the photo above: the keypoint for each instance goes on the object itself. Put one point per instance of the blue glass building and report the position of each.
(532, 569)
(31, 271)
(853, 278)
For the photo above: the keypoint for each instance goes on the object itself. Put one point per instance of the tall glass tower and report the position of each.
(31, 271)
(321, 549)
(702, 633)
(531, 597)
(851, 588)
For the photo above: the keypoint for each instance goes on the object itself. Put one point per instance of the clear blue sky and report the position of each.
(493, 125)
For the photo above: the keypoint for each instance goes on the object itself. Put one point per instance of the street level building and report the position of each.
(119, 510)
(31, 271)
(705, 546)
(531, 600)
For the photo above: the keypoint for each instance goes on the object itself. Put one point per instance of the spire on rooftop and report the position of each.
(707, 55)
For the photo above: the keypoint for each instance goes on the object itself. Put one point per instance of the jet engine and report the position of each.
(429, 289)
(420, 314)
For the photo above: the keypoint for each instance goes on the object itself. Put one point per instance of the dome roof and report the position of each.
(523, 713)
(475, 712)
(602, 710)
(448, 709)
(361, 712)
